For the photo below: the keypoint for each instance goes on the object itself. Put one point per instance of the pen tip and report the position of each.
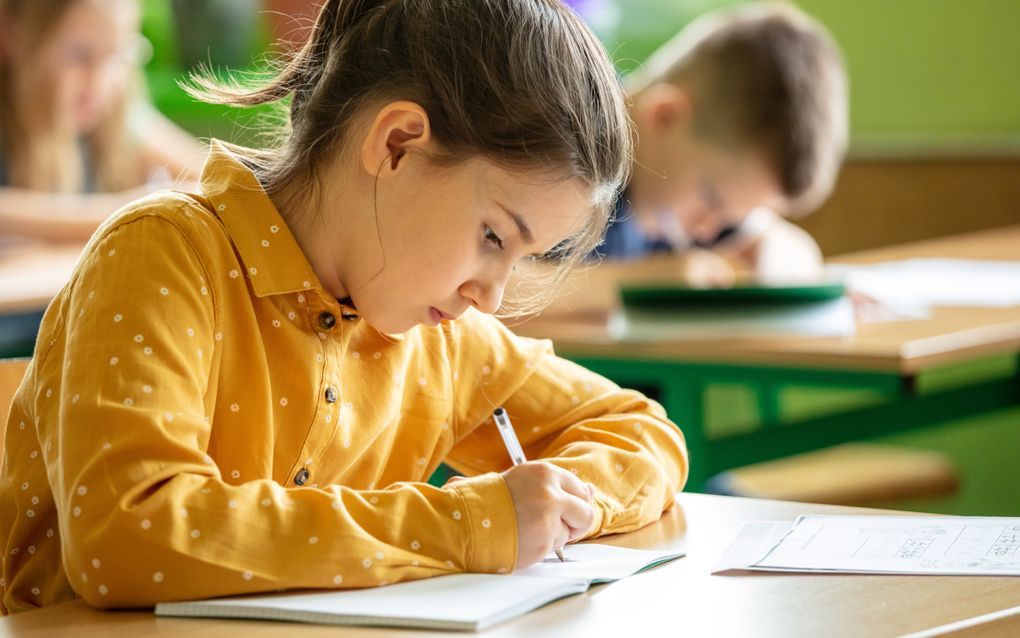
(559, 554)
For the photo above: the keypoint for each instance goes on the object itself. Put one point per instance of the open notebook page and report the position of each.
(457, 601)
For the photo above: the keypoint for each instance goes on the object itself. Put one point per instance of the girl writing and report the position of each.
(244, 389)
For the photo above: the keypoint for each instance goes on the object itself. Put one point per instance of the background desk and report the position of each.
(887, 363)
(31, 274)
(678, 599)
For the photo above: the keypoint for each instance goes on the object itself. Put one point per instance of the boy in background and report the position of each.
(741, 118)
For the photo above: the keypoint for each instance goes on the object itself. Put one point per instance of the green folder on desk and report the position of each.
(664, 312)
(673, 296)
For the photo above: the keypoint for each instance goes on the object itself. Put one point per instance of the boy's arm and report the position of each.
(617, 440)
(785, 254)
(775, 253)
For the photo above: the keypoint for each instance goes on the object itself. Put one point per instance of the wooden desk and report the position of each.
(31, 274)
(678, 599)
(882, 359)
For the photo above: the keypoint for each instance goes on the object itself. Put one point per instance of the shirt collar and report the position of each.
(274, 262)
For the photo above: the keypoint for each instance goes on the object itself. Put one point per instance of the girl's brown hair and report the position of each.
(41, 153)
(523, 83)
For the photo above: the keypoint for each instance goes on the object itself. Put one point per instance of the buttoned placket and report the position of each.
(332, 337)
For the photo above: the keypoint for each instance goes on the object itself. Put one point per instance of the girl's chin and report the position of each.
(88, 118)
(392, 327)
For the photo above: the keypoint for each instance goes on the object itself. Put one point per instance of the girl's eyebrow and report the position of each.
(522, 226)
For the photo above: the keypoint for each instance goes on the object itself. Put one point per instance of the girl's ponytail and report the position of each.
(296, 76)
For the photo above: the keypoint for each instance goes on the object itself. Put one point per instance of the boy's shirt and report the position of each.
(201, 419)
(625, 239)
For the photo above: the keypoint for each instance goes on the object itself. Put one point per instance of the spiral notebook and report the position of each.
(458, 602)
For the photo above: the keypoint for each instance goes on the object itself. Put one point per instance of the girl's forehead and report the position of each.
(100, 15)
(541, 183)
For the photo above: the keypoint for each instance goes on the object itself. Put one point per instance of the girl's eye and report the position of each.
(493, 238)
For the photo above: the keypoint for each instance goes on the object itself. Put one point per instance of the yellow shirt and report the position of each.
(201, 419)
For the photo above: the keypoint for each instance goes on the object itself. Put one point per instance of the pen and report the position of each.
(513, 447)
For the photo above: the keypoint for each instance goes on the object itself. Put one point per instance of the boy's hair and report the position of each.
(523, 83)
(769, 78)
(39, 152)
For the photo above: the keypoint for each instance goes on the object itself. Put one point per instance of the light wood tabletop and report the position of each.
(31, 274)
(578, 326)
(678, 599)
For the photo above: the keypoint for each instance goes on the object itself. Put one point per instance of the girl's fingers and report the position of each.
(578, 516)
(573, 485)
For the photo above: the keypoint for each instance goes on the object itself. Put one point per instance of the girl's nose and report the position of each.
(485, 295)
(485, 291)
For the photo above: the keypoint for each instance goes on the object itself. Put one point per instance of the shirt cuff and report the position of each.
(490, 522)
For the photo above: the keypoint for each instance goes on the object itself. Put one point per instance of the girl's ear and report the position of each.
(398, 127)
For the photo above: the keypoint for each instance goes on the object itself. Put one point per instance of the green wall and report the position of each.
(926, 72)
(937, 74)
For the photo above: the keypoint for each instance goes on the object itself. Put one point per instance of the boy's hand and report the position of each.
(700, 268)
(553, 507)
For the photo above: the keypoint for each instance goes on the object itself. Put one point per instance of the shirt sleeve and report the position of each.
(147, 516)
(618, 440)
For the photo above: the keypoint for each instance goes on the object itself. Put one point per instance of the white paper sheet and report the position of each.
(961, 545)
(936, 282)
(752, 543)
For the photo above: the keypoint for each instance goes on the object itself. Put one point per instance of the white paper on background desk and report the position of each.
(936, 282)
(947, 545)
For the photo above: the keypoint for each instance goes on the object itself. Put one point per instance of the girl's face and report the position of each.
(89, 58)
(446, 238)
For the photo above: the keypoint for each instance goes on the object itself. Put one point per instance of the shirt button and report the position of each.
(327, 320)
(302, 476)
(331, 395)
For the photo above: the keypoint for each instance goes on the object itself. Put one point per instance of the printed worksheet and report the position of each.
(961, 545)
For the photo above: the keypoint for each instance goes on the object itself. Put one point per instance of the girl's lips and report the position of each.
(437, 315)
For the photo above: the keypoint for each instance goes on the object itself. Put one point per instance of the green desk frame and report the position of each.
(682, 385)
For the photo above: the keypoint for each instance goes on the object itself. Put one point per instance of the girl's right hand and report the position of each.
(553, 507)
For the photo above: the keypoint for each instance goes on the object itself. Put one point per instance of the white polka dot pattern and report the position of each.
(196, 330)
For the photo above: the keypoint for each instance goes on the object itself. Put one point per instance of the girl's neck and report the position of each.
(313, 218)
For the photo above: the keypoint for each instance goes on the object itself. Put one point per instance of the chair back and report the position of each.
(11, 373)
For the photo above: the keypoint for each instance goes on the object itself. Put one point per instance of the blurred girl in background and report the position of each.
(77, 140)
